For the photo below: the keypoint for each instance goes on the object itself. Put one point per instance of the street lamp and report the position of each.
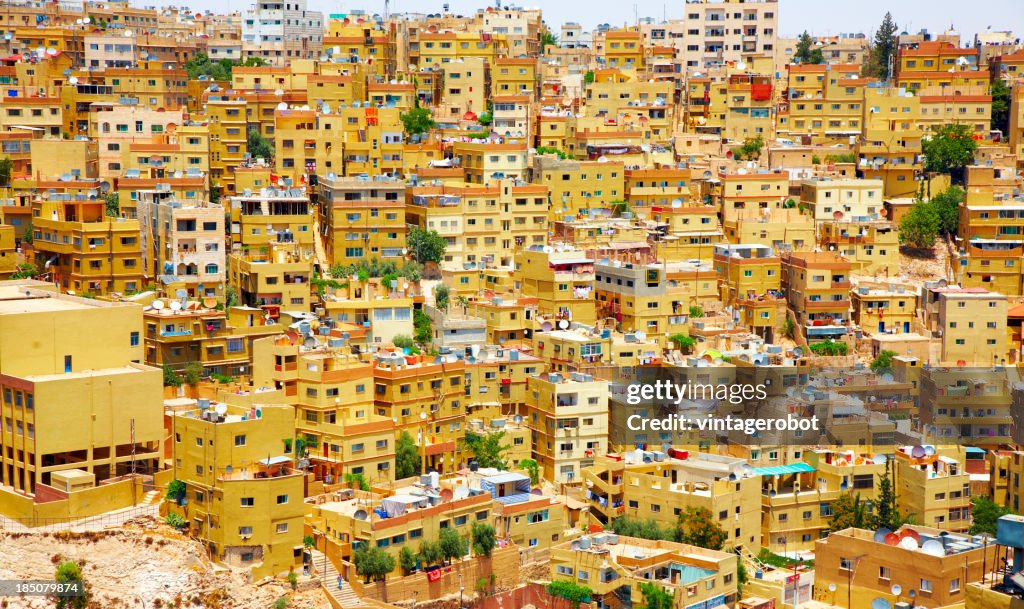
(461, 589)
(423, 432)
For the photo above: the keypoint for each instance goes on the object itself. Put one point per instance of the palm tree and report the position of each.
(463, 302)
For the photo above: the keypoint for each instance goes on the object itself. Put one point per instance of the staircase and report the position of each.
(345, 597)
(150, 498)
(749, 557)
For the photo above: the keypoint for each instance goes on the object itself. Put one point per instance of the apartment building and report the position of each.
(751, 107)
(381, 311)
(889, 148)
(561, 279)
(871, 246)
(716, 32)
(568, 421)
(482, 225)
(244, 506)
(228, 140)
(817, 286)
(8, 252)
(971, 405)
(658, 186)
(641, 298)
(843, 199)
(509, 320)
(74, 402)
(883, 308)
(578, 186)
(427, 401)
(332, 394)
(512, 116)
(271, 215)
(182, 243)
(825, 103)
(488, 162)
(280, 32)
(361, 217)
(973, 327)
(750, 281)
(86, 251)
(274, 278)
(750, 195)
(863, 568)
(614, 567)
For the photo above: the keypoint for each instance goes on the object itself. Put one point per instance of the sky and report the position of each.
(824, 17)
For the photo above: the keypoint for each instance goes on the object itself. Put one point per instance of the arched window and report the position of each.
(211, 269)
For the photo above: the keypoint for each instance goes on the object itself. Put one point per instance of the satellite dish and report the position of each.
(282, 106)
(158, 304)
(879, 459)
(360, 515)
(104, 186)
(640, 335)
(798, 352)
(911, 533)
(880, 535)
(175, 305)
(887, 378)
(880, 603)
(86, 19)
(891, 539)
(563, 324)
(918, 452)
(546, 326)
(51, 52)
(933, 547)
(741, 66)
(279, 92)
(221, 409)
(896, 589)
(929, 450)
(908, 543)
(446, 495)
(832, 587)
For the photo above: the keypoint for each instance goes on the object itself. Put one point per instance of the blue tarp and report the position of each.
(779, 470)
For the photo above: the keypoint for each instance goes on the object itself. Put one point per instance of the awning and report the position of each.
(975, 450)
(780, 470)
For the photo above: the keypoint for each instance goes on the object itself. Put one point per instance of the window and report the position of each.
(247, 502)
(884, 573)
(282, 499)
(245, 531)
(845, 564)
(926, 585)
(134, 339)
(240, 440)
(282, 527)
(954, 585)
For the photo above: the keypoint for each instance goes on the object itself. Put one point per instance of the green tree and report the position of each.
(789, 328)
(887, 514)
(258, 146)
(570, 591)
(487, 449)
(698, 527)
(452, 544)
(175, 491)
(423, 327)
(426, 245)
(417, 121)
(171, 378)
(949, 149)
(404, 342)
(406, 559)
(947, 206)
(484, 538)
(683, 342)
(848, 511)
(985, 514)
(628, 526)
(430, 553)
(231, 296)
(485, 118)
(548, 39)
(373, 564)
(1001, 96)
(193, 373)
(6, 169)
(113, 203)
(69, 572)
(532, 468)
(829, 347)
(696, 311)
(174, 520)
(883, 362)
(656, 597)
(356, 481)
(883, 47)
(588, 77)
(441, 295)
(920, 226)
(282, 602)
(407, 456)
(750, 150)
(24, 270)
(806, 52)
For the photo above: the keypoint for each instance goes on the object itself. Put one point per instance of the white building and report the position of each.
(279, 32)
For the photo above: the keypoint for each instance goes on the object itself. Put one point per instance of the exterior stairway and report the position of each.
(345, 597)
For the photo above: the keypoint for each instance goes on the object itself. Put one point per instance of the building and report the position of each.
(817, 287)
(750, 281)
(87, 251)
(863, 568)
(872, 246)
(971, 405)
(561, 279)
(361, 218)
(488, 162)
(845, 199)
(973, 327)
(244, 506)
(615, 566)
(73, 401)
(271, 215)
(641, 298)
(716, 32)
(280, 33)
(576, 187)
(884, 308)
(889, 148)
(274, 278)
(182, 243)
(482, 225)
(568, 421)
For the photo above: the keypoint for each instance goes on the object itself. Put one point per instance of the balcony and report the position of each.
(174, 333)
(826, 305)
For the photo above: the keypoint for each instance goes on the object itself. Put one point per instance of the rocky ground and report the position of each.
(143, 564)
